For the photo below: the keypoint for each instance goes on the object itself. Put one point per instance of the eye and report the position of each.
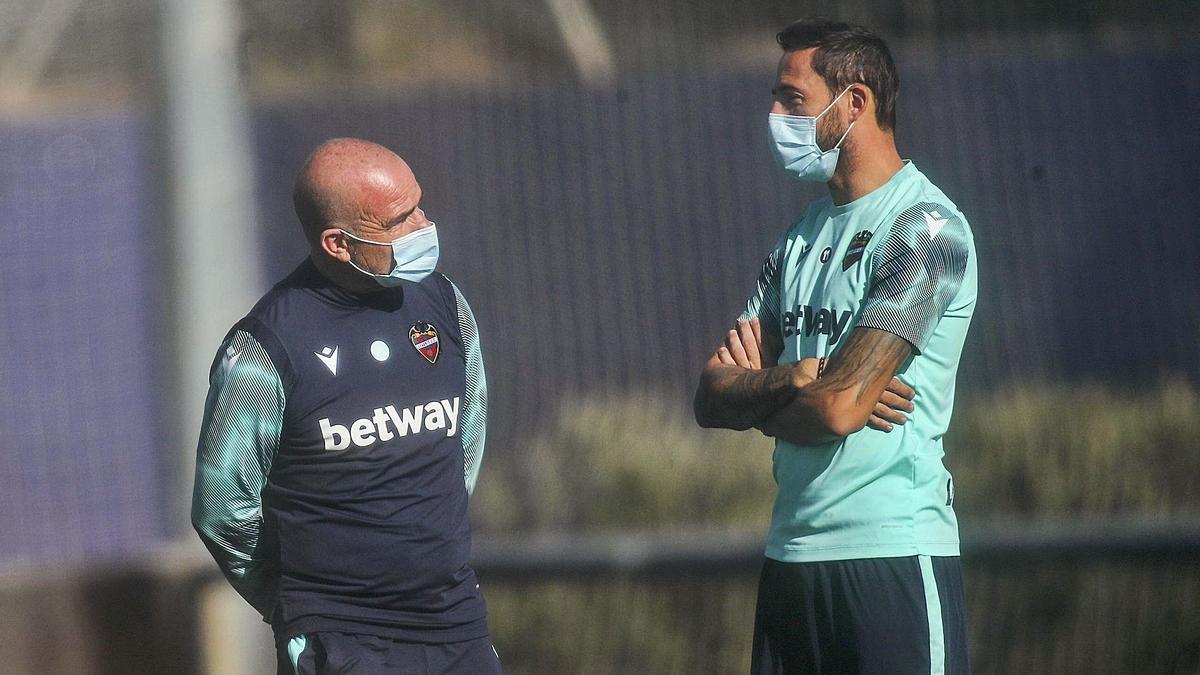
(789, 97)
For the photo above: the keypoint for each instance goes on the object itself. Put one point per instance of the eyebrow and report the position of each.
(401, 218)
(404, 216)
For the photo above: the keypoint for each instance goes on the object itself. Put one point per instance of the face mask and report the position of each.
(415, 256)
(794, 144)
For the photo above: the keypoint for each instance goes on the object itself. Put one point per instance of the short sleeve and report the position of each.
(916, 272)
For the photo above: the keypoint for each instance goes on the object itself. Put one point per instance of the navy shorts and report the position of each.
(893, 616)
(348, 654)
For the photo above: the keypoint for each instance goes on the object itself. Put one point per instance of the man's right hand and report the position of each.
(744, 347)
(740, 385)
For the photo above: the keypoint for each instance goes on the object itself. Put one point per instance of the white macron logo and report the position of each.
(936, 222)
(328, 356)
(368, 431)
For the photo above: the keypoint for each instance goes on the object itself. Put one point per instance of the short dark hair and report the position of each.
(846, 54)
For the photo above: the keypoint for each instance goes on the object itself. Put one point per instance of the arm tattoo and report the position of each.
(869, 356)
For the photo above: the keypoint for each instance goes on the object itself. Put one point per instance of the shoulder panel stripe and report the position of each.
(918, 269)
(764, 304)
(474, 405)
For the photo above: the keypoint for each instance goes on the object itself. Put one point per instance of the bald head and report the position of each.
(347, 181)
(354, 198)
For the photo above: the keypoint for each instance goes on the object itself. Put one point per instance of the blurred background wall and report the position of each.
(600, 174)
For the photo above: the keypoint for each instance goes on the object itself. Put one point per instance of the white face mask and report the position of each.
(794, 144)
(415, 256)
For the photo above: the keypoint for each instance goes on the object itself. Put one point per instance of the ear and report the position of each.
(862, 101)
(335, 244)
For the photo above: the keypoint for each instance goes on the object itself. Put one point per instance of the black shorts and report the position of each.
(348, 654)
(894, 616)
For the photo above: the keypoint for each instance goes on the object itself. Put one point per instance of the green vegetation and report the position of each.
(629, 464)
(1072, 450)
(1034, 451)
(1062, 451)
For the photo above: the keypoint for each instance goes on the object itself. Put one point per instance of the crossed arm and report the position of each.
(742, 387)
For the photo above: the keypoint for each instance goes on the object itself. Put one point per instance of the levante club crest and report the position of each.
(424, 338)
(857, 247)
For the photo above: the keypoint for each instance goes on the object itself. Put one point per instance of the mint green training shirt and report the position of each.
(899, 259)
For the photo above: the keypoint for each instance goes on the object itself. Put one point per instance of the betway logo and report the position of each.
(819, 321)
(388, 423)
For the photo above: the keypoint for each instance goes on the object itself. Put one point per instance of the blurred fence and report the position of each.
(1048, 597)
(81, 461)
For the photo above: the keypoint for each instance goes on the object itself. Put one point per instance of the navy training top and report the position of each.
(341, 437)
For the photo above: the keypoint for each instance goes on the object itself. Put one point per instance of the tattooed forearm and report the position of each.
(736, 398)
(868, 359)
(841, 400)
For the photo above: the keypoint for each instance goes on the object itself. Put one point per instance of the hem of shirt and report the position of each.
(472, 630)
(865, 320)
(857, 551)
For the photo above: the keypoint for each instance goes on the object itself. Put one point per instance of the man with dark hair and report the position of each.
(859, 317)
(343, 433)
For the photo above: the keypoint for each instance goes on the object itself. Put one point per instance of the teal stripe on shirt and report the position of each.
(473, 420)
(239, 436)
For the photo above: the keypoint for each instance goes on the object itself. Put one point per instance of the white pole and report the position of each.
(211, 245)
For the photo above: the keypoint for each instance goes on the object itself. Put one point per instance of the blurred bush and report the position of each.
(628, 463)
(1039, 450)
(1058, 450)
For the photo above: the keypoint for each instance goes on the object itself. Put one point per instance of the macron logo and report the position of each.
(387, 423)
(935, 222)
(328, 356)
(231, 357)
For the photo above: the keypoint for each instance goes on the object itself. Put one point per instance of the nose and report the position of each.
(777, 108)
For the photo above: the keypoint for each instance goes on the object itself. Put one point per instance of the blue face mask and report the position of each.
(415, 256)
(794, 144)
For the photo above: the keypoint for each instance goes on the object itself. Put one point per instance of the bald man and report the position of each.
(343, 434)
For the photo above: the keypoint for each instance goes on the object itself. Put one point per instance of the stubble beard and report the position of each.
(830, 130)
